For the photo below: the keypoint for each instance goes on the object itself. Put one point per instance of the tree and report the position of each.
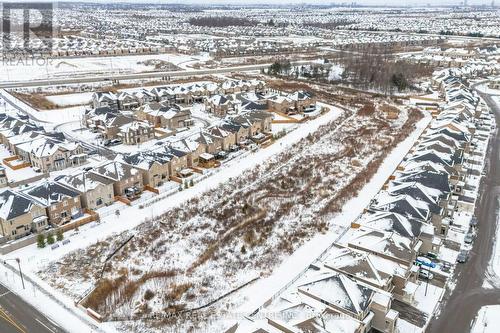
(50, 239)
(59, 235)
(40, 240)
(191, 183)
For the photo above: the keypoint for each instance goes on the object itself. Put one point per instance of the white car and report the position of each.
(426, 275)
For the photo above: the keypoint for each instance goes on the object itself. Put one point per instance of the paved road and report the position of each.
(17, 316)
(461, 307)
(149, 75)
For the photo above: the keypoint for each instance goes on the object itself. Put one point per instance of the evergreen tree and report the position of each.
(59, 235)
(50, 239)
(40, 240)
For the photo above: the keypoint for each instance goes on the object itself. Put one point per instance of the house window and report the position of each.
(65, 203)
(64, 214)
(99, 202)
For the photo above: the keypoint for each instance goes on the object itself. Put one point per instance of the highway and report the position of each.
(136, 76)
(17, 316)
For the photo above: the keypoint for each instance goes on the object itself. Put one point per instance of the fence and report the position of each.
(42, 289)
(32, 239)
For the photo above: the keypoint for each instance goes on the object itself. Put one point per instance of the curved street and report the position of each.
(459, 308)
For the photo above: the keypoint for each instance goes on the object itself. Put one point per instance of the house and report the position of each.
(226, 138)
(136, 132)
(190, 147)
(127, 101)
(20, 215)
(154, 166)
(401, 225)
(387, 245)
(219, 105)
(4, 181)
(110, 127)
(127, 180)
(370, 269)
(159, 115)
(211, 144)
(95, 192)
(47, 155)
(105, 99)
(62, 203)
(302, 100)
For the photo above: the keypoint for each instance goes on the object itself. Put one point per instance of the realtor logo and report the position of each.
(27, 27)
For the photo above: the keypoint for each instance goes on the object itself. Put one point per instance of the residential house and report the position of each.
(62, 203)
(20, 215)
(154, 166)
(127, 180)
(136, 132)
(95, 192)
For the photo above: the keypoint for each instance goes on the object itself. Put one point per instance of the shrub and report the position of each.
(50, 238)
(59, 235)
(148, 294)
(40, 240)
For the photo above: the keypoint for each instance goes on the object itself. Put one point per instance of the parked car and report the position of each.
(473, 221)
(425, 275)
(431, 255)
(463, 256)
(446, 267)
(469, 238)
(423, 261)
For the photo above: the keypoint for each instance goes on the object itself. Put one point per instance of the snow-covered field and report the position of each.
(71, 67)
(71, 99)
(487, 320)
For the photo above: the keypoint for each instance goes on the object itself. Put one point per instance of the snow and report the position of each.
(259, 292)
(72, 67)
(94, 232)
(487, 320)
(71, 99)
(402, 326)
(493, 270)
(427, 297)
(67, 319)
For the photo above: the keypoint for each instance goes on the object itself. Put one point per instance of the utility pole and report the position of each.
(19, 266)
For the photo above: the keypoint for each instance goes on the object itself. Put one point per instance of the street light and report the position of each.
(18, 265)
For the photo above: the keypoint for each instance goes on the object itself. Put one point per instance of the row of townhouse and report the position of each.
(177, 94)
(161, 164)
(293, 103)
(45, 151)
(55, 203)
(354, 285)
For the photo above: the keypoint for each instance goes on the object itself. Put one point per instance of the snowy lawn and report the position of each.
(487, 320)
